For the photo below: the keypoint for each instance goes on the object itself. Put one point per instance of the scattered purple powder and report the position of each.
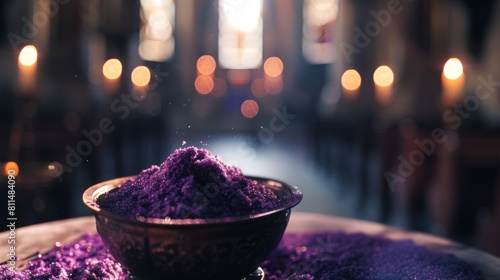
(358, 256)
(86, 258)
(299, 257)
(191, 183)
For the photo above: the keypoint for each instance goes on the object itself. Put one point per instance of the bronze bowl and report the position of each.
(225, 248)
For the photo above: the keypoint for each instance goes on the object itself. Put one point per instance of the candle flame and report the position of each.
(453, 68)
(351, 80)
(11, 168)
(140, 76)
(112, 69)
(273, 67)
(28, 55)
(206, 65)
(383, 76)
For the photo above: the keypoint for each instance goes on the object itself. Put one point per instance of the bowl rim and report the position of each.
(90, 195)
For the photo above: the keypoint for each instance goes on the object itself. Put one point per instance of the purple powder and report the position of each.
(358, 256)
(191, 183)
(299, 257)
(86, 258)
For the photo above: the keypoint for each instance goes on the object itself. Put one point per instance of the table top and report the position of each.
(42, 237)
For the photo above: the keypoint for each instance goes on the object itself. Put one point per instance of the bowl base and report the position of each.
(258, 274)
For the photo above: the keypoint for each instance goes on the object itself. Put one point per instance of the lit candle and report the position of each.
(453, 79)
(351, 81)
(383, 77)
(27, 64)
(140, 78)
(273, 70)
(112, 70)
(11, 168)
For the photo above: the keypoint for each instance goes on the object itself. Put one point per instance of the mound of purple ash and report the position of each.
(337, 255)
(191, 183)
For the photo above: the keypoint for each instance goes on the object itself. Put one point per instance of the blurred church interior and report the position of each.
(384, 110)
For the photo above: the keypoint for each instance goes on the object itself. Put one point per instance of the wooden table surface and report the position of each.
(42, 237)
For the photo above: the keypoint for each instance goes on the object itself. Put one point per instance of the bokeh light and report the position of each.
(249, 108)
(51, 167)
(383, 76)
(157, 42)
(141, 76)
(11, 168)
(204, 84)
(243, 16)
(206, 65)
(273, 66)
(351, 80)
(28, 55)
(240, 36)
(112, 69)
(453, 69)
(320, 12)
